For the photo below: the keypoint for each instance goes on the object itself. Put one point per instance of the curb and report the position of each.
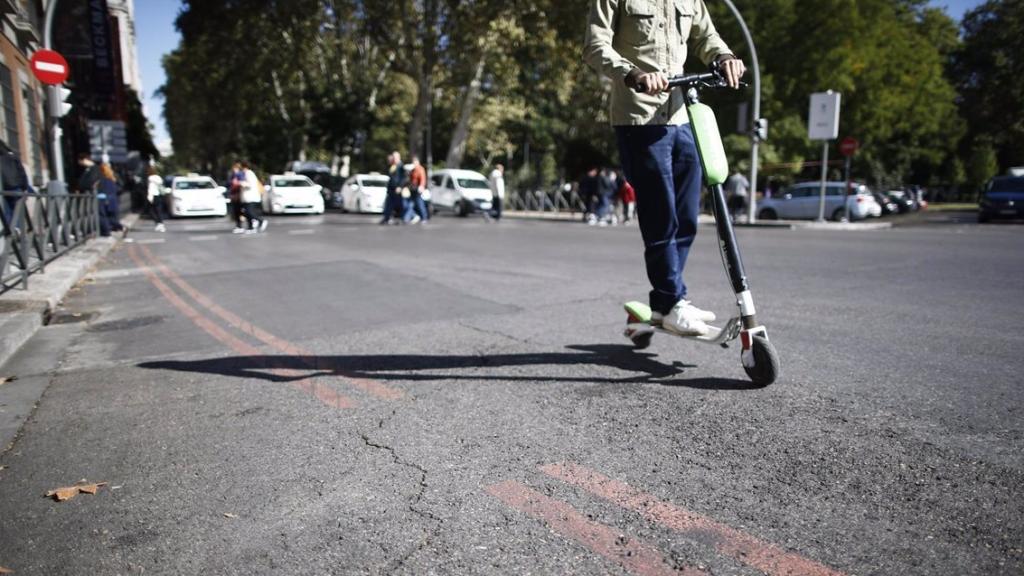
(24, 312)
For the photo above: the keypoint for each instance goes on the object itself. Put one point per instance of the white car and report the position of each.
(803, 202)
(364, 193)
(195, 195)
(460, 191)
(293, 194)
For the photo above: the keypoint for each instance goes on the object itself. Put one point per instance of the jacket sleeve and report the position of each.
(707, 44)
(598, 52)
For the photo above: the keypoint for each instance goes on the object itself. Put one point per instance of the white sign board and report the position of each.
(823, 119)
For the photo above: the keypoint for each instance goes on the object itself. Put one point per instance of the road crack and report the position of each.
(415, 500)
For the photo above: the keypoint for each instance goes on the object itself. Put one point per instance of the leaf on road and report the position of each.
(6, 570)
(69, 492)
(230, 515)
(5, 380)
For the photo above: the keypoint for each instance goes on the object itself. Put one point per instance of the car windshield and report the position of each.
(291, 183)
(1008, 184)
(473, 184)
(193, 185)
(375, 182)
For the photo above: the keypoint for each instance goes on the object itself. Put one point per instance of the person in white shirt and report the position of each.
(252, 200)
(497, 181)
(155, 198)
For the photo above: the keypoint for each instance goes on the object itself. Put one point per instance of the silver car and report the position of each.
(802, 202)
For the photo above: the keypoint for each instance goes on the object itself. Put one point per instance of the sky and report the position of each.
(155, 36)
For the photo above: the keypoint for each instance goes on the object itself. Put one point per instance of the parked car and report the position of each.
(462, 192)
(904, 201)
(887, 204)
(801, 202)
(364, 193)
(1003, 198)
(292, 194)
(196, 195)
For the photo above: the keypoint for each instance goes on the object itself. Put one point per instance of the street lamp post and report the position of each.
(754, 137)
(58, 133)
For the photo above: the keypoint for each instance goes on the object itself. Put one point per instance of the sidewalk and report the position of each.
(23, 312)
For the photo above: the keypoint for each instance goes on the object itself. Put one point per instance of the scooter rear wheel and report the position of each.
(766, 367)
(641, 341)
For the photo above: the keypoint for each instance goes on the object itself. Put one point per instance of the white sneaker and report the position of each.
(703, 315)
(161, 228)
(415, 219)
(238, 231)
(685, 319)
(263, 225)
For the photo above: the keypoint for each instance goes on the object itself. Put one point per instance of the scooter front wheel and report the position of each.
(765, 369)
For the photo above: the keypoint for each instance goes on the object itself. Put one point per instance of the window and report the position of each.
(8, 117)
(35, 144)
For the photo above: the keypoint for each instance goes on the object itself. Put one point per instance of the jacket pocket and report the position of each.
(684, 18)
(637, 28)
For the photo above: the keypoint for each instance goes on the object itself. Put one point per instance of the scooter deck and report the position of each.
(639, 323)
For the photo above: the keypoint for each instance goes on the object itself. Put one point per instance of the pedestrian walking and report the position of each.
(106, 195)
(236, 180)
(627, 196)
(417, 185)
(393, 201)
(252, 200)
(497, 182)
(737, 188)
(15, 182)
(638, 45)
(155, 198)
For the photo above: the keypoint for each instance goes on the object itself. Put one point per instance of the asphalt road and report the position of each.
(336, 397)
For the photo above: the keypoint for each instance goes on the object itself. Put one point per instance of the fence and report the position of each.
(35, 229)
(553, 201)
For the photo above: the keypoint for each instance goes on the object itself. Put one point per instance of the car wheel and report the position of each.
(839, 215)
(359, 206)
(768, 214)
(983, 218)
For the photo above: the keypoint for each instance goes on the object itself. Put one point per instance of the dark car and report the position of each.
(887, 204)
(904, 201)
(1003, 198)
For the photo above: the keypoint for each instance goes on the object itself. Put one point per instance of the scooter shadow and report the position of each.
(424, 367)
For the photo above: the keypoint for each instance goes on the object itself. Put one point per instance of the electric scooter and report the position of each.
(758, 356)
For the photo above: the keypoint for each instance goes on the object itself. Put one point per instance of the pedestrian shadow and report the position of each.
(457, 367)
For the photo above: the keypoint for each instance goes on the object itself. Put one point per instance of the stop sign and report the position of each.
(848, 146)
(49, 67)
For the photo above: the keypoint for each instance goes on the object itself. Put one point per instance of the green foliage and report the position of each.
(989, 73)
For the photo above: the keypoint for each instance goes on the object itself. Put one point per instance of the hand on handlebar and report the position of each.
(652, 83)
(732, 69)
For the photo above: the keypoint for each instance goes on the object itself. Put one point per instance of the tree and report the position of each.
(989, 73)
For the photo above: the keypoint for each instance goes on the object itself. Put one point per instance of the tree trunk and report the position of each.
(457, 148)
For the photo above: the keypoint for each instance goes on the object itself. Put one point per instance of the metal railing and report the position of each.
(36, 228)
(553, 201)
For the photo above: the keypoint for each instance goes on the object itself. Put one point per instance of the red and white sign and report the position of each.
(848, 146)
(50, 67)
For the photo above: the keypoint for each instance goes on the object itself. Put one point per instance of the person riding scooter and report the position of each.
(638, 48)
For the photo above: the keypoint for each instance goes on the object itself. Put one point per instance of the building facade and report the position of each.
(22, 97)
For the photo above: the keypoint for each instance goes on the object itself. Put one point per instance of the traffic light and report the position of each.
(59, 101)
(761, 129)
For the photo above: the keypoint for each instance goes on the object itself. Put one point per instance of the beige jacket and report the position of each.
(630, 37)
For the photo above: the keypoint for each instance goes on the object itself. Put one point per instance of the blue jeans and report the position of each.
(662, 165)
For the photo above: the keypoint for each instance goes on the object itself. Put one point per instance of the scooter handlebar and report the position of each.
(712, 79)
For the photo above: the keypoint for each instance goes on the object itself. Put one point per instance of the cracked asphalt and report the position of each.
(336, 397)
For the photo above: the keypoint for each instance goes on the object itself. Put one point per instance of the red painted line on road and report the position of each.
(634, 555)
(323, 393)
(367, 385)
(728, 541)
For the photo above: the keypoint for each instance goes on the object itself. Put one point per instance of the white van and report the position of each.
(460, 191)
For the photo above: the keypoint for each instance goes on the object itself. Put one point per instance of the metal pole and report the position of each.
(58, 133)
(846, 192)
(752, 205)
(824, 175)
